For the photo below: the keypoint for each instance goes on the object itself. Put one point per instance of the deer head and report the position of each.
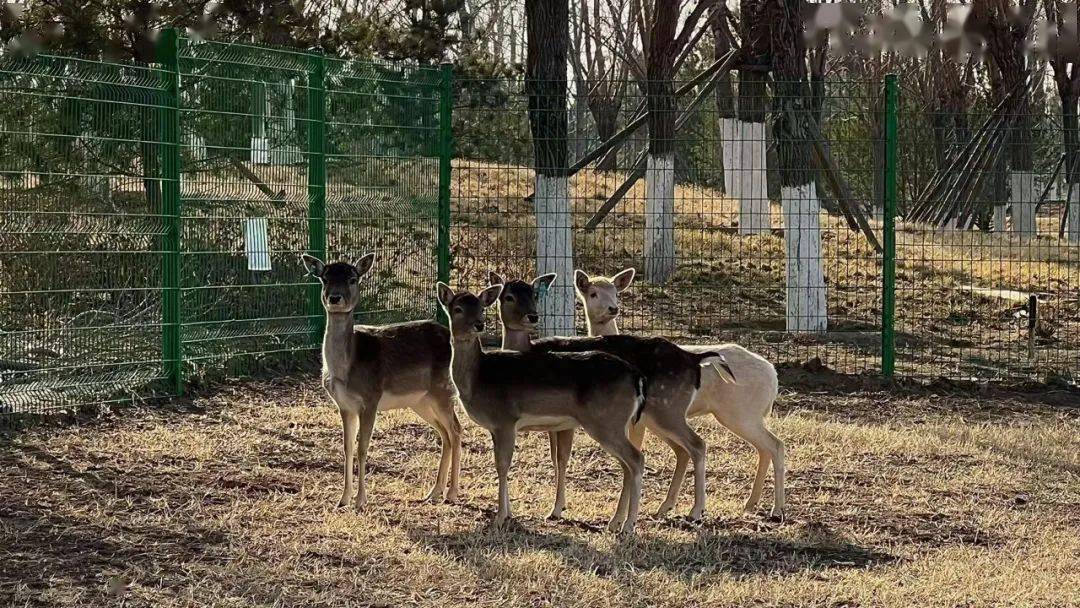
(518, 301)
(340, 281)
(465, 310)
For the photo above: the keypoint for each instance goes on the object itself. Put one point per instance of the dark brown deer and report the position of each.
(367, 369)
(672, 374)
(509, 392)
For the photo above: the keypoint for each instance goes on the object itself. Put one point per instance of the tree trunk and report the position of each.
(877, 130)
(749, 160)
(995, 192)
(1024, 194)
(548, 31)
(806, 291)
(606, 117)
(581, 110)
(660, 172)
(750, 156)
(725, 99)
(1071, 124)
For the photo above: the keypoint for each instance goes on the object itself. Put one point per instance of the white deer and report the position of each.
(741, 406)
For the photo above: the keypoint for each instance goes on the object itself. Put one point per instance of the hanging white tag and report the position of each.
(257, 243)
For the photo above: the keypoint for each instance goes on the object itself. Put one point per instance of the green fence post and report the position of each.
(888, 270)
(168, 55)
(316, 184)
(446, 150)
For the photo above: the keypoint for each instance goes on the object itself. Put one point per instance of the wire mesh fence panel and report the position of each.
(383, 182)
(986, 276)
(80, 233)
(702, 216)
(152, 218)
(244, 120)
(292, 152)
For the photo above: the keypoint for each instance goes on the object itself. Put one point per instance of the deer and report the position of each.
(672, 375)
(508, 392)
(368, 369)
(741, 406)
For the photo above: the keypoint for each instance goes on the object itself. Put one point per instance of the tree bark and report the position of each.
(659, 176)
(725, 97)
(806, 291)
(547, 23)
(750, 157)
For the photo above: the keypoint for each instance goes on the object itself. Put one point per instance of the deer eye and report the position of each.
(353, 281)
(592, 295)
(509, 298)
(457, 310)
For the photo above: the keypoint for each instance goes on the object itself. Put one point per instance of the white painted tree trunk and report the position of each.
(1023, 199)
(749, 176)
(660, 217)
(730, 141)
(555, 253)
(806, 294)
(999, 217)
(1072, 228)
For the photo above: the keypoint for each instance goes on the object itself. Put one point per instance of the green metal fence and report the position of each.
(152, 217)
(904, 295)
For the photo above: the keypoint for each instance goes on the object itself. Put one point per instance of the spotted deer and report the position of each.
(368, 369)
(508, 392)
(672, 375)
(741, 406)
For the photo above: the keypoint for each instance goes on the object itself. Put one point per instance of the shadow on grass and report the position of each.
(43, 543)
(710, 551)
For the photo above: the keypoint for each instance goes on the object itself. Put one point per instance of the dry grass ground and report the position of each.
(895, 500)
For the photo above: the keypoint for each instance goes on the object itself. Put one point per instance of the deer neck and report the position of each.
(607, 328)
(465, 365)
(515, 339)
(337, 349)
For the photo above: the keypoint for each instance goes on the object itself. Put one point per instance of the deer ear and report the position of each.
(544, 281)
(363, 265)
(445, 294)
(313, 264)
(490, 295)
(623, 279)
(495, 279)
(581, 281)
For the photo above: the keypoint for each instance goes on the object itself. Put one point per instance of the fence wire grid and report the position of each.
(152, 217)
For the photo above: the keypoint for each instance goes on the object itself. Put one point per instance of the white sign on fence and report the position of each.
(257, 243)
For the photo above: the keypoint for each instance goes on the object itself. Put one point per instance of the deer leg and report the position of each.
(453, 431)
(563, 444)
(770, 449)
(367, 425)
(446, 422)
(349, 424)
(503, 440)
(428, 412)
(682, 458)
(637, 434)
(615, 442)
(672, 426)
